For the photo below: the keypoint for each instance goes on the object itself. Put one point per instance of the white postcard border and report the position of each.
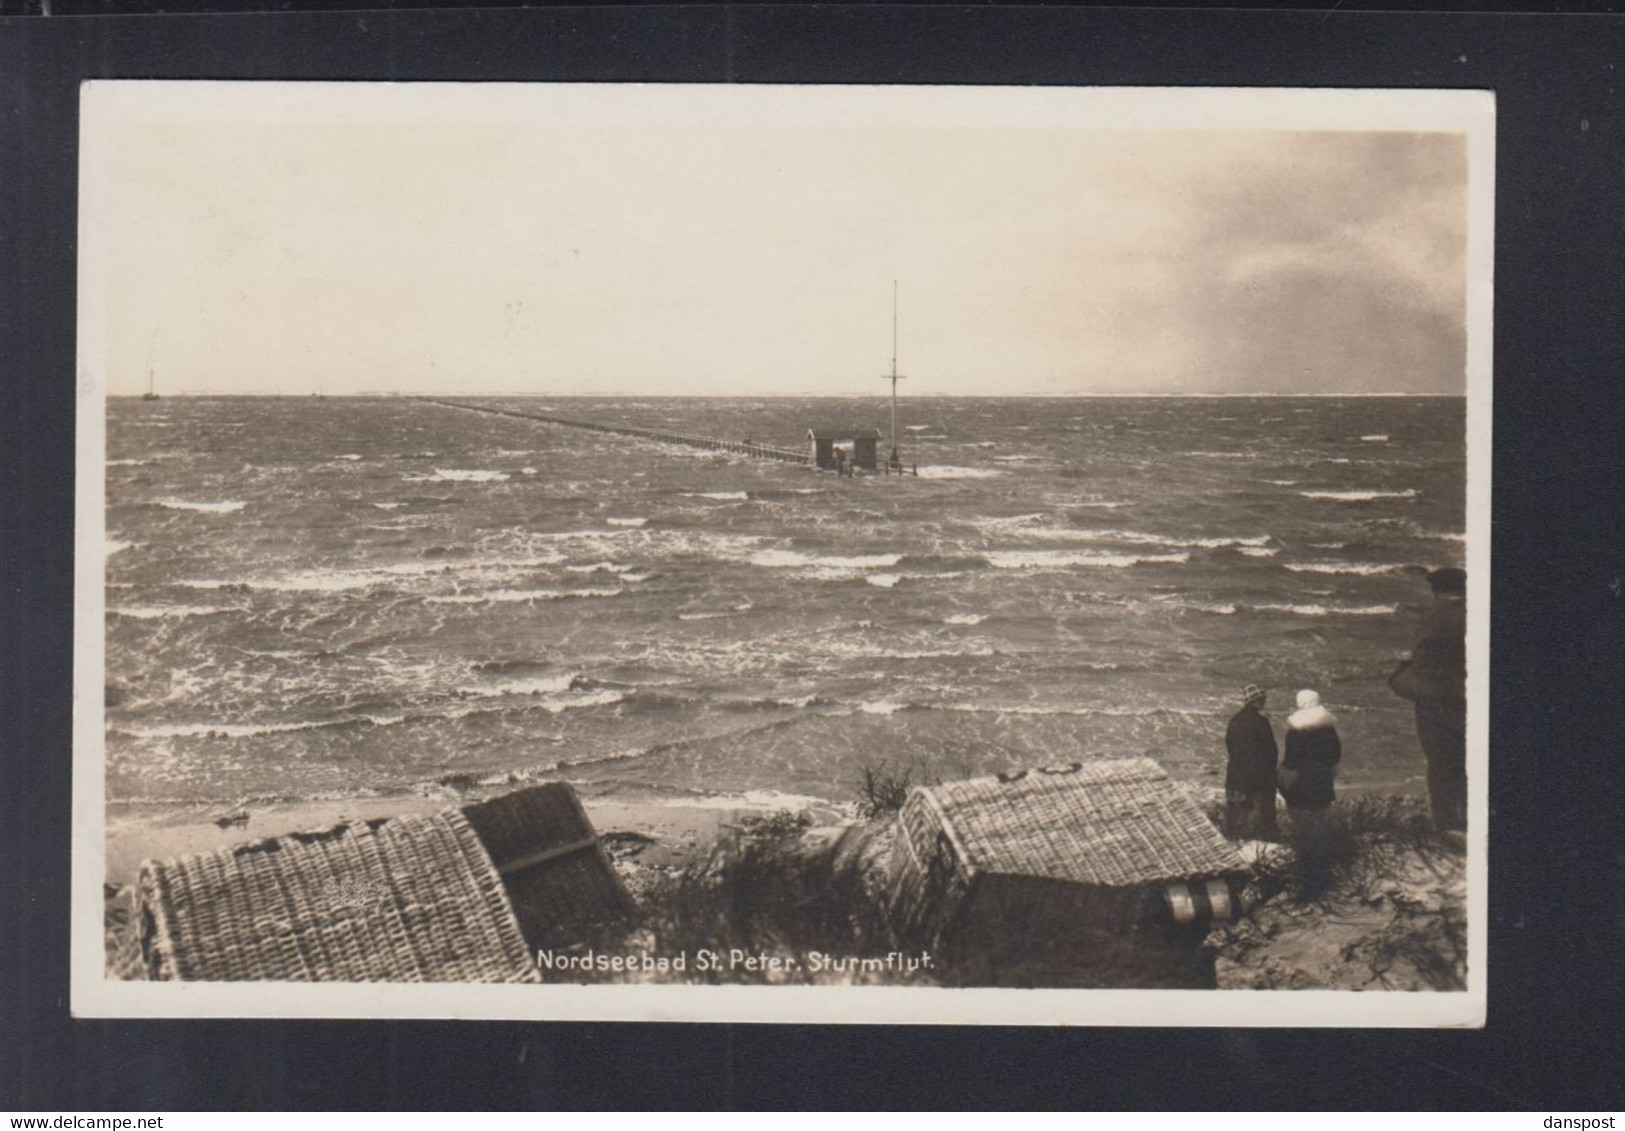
(104, 103)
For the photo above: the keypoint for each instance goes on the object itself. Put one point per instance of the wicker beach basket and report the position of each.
(1068, 862)
(464, 895)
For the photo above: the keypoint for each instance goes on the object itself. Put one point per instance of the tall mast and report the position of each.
(894, 376)
(894, 327)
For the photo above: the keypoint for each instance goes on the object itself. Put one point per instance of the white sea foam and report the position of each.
(598, 567)
(168, 612)
(507, 596)
(427, 568)
(113, 546)
(126, 462)
(1138, 538)
(883, 580)
(720, 495)
(916, 427)
(1208, 607)
(966, 618)
(1376, 438)
(798, 701)
(536, 685)
(1041, 712)
(316, 581)
(1021, 520)
(1357, 569)
(795, 559)
(1293, 609)
(1060, 559)
(466, 475)
(1358, 496)
(952, 472)
(351, 456)
(881, 707)
(1259, 552)
(554, 704)
(1329, 610)
(632, 522)
(204, 508)
(217, 730)
(388, 506)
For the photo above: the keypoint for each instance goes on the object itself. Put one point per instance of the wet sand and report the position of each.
(661, 835)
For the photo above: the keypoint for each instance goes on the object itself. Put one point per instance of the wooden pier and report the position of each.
(705, 443)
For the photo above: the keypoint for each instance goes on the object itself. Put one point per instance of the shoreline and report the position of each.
(661, 834)
(1400, 929)
(660, 831)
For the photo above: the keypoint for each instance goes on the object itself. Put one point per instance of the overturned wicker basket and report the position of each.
(464, 895)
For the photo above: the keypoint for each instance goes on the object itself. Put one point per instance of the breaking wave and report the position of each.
(1358, 496)
(459, 475)
(506, 596)
(951, 472)
(1292, 609)
(795, 559)
(203, 508)
(168, 612)
(1060, 559)
(1357, 569)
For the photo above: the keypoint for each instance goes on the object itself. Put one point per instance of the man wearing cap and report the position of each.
(1435, 680)
(1249, 777)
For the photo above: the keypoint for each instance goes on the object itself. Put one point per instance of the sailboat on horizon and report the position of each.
(152, 393)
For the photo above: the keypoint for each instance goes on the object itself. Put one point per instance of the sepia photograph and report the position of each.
(829, 554)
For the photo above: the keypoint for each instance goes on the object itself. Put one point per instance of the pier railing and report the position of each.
(706, 443)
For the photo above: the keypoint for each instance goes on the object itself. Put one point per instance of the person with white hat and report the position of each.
(1309, 765)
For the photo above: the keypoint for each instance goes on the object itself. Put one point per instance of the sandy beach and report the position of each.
(639, 835)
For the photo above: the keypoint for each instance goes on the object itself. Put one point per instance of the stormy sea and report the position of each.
(332, 597)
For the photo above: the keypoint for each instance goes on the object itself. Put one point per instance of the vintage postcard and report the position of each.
(837, 554)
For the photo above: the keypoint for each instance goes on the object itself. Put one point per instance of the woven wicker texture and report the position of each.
(412, 900)
(560, 882)
(1107, 824)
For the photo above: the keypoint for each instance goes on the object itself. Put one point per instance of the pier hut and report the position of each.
(864, 444)
(1092, 874)
(463, 895)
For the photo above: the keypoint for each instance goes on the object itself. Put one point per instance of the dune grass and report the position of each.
(767, 889)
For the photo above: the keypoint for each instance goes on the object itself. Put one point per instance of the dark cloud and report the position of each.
(1335, 262)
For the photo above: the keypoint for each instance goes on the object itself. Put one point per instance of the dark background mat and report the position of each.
(1557, 865)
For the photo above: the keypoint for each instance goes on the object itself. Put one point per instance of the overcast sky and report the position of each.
(552, 249)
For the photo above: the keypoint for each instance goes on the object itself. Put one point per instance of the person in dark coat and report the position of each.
(1309, 765)
(1434, 679)
(1249, 776)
